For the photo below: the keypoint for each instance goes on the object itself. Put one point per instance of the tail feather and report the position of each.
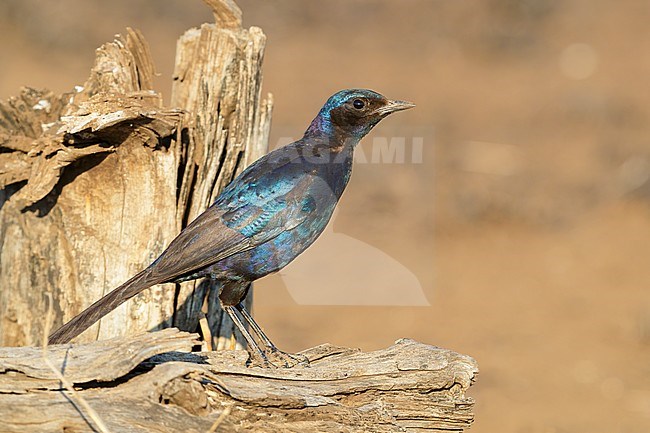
(105, 305)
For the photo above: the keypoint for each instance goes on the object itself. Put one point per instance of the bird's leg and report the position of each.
(287, 359)
(258, 356)
(256, 328)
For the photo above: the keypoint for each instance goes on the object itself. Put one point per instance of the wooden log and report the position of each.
(94, 184)
(150, 382)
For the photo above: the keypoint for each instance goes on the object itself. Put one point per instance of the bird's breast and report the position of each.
(275, 253)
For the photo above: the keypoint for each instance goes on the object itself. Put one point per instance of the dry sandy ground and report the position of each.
(527, 223)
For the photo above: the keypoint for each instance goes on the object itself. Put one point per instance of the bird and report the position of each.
(261, 221)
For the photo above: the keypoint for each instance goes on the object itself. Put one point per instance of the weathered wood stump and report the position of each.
(95, 183)
(150, 382)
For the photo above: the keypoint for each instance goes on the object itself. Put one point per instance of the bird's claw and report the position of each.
(286, 360)
(275, 358)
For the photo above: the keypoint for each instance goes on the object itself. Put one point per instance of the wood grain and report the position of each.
(150, 382)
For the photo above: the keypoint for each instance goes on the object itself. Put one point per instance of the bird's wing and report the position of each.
(204, 241)
(281, 209)
(256, 213)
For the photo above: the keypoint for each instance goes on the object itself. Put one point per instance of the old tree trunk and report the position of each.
(94, 184)
(97, 182)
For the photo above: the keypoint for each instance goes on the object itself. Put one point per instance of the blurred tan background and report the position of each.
(527, 224)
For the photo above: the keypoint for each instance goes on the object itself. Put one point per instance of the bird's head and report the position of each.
(351, 114)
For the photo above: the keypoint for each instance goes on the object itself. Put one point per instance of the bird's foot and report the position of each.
(285, 360)
(272, 357)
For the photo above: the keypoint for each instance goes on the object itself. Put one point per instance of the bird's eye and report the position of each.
(358, 104)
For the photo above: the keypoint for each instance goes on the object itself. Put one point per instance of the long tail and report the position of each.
(105, 305)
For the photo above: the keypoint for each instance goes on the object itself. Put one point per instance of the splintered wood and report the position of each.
(150, 382)
(95, 183)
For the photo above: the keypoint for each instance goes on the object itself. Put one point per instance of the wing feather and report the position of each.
(204, 241)
(239, 220)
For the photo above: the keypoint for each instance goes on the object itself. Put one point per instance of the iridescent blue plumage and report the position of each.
(263, 219)
(290, 205)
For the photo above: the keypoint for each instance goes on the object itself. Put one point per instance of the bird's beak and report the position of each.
(393, 106)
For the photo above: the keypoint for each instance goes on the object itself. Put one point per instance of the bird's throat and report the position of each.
(331, 135)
